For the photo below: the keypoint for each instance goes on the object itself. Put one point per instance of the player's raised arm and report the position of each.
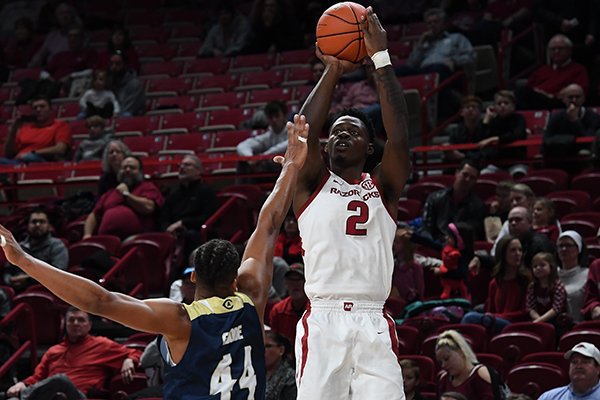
(395, 165)
(316, 109)
(154, 316)
(256, 272)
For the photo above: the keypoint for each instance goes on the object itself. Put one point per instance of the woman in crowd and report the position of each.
(114, 153)
(507, 290)
(281, 383)
(461, 372)
(573, 271)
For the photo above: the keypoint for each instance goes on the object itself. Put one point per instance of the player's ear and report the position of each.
(193, 277)
(234, 285)
(370, 149)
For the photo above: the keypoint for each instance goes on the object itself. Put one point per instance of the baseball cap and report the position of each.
(296, 268)
(585, 349)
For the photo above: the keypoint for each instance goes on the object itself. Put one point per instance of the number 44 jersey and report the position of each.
(347, 235)
(225, 357)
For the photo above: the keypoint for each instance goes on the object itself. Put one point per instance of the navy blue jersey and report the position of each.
(225, 357)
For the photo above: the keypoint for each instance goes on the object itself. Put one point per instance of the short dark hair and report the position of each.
(139, 160)
(275, 107)
(356, 113)
(216, 263)
(39, 97)
(73, 309)
(471, 163)
(38, 210)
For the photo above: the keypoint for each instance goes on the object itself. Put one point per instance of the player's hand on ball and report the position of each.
(375, 35)
(344, 65)
(297, 143)
(12, 250)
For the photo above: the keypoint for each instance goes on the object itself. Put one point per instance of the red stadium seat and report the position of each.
(149, 145)
(556, 358)
(535, 120)
(545, 331)
(208, 66)
(513, 346)
(180, 123)
(216, 83)
(426, 366)
(570, 339)
(193, 142)
(48, 317)
(588, 182)
(476, 334)
(222, 101)
(252, 62)
(408, 338)
(420, 190)
(534, 379)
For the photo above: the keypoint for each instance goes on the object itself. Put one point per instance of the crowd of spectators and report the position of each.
(538, 271)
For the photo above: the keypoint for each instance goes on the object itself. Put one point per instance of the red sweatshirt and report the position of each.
(507, 301)
(87, 363)
(552, 80)
(592, 289)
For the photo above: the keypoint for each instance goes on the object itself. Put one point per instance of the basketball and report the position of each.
(339, 33)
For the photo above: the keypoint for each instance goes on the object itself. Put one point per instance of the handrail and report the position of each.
(532, 141)
(212, 220)
(119, 266)
(502, 49)
(31, 344)
(425, 136)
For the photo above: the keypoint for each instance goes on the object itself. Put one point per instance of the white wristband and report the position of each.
(381, 59)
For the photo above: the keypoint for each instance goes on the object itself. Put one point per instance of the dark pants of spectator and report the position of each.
(529, 99)
(496, 324)
(49, 387)
(446, 102)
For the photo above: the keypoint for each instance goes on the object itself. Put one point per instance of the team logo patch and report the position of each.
(228, 304)
(348, 306)
(367, 185)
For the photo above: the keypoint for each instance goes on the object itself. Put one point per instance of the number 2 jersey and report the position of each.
(225, 357)
(347, 235)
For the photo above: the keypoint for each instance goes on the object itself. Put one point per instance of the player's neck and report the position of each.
(205, 293)
(350, 174)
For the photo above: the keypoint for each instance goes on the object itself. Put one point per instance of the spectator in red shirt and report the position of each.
(285, 315)
(80, 364)
(506, 300)
(128, 209)
(43, 139)
(75, 60)
(289, 242)
(546, 82)
(591, 301)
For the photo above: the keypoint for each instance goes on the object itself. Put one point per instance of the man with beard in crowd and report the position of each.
(128, 209)
(40, 244)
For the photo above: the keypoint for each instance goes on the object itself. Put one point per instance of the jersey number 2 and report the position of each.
(354, 220)
(221, 381)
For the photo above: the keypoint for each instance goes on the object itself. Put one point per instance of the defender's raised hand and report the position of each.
(12, 250)
(297, 147)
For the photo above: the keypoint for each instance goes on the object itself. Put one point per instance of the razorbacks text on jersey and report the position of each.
(225, 357)
(347, 235)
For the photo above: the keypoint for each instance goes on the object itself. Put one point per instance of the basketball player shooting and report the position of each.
(345, 345)
(215, 345)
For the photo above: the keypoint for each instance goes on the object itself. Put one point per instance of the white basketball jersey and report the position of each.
(347, 235)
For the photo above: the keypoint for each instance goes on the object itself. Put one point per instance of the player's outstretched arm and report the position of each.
(316, 109)
(256, 272)
(154, 316)
(395, 165)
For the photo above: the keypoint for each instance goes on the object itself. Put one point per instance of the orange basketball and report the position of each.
(339, 33)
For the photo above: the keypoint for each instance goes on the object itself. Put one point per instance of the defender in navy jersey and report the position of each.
(347, 221)
(214, 345)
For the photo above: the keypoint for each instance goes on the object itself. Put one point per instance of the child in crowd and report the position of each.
(546, 295)
(544, 218)
(410, 376)
(456, 255)
(99, 100)
(92, 148)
